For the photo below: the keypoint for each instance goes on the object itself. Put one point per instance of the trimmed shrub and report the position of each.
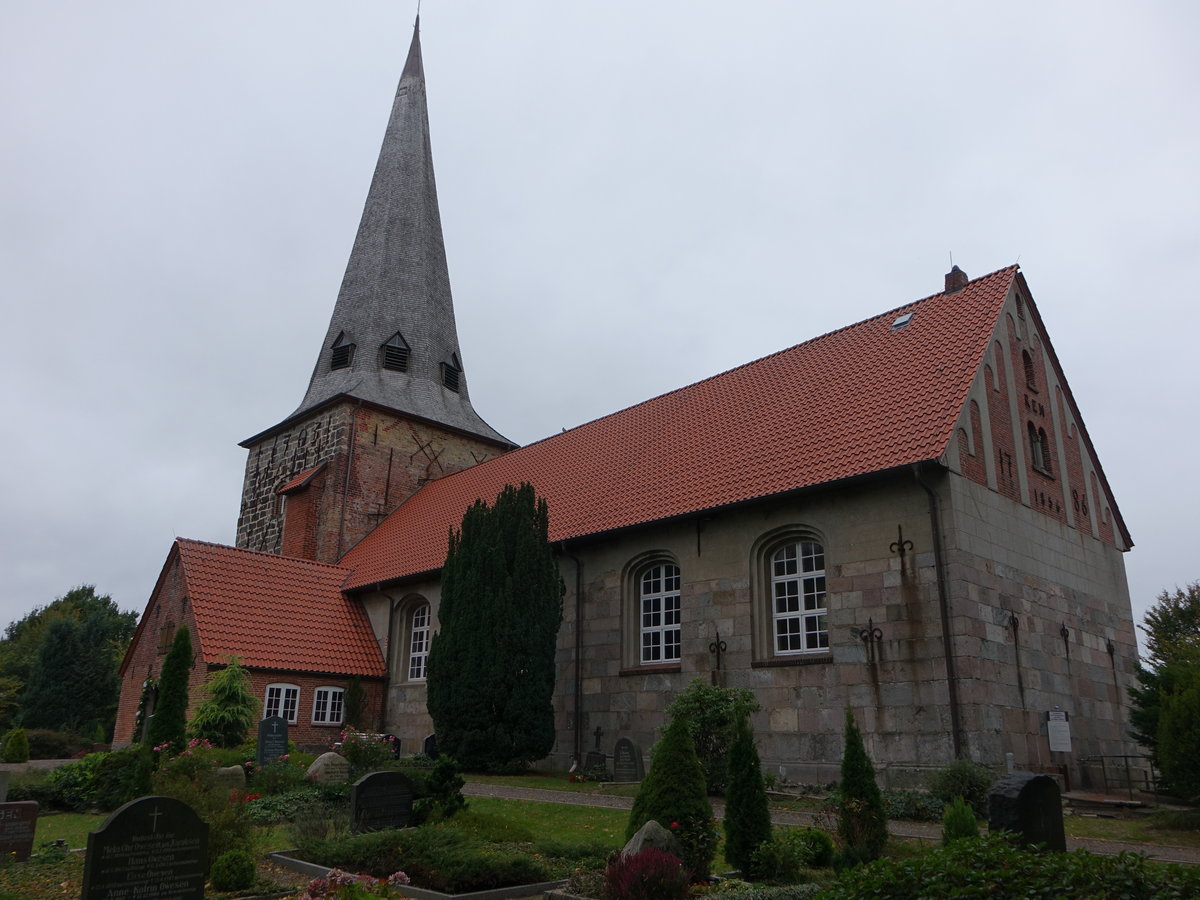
(712, 714)
(233, 870)
(862, 825)
(747, 818)
(225, 715)
(958, 822)
(912, 806)
(439, 858)
(442, 786)
(651, 874)
(123, 775)
(16, 746)
(363, 752)
(72, 786)
(993, 867)
(789, 852)
(47, 744)
(966, 779)
(673, 794)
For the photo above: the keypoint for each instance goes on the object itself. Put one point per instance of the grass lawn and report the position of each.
(70, 827)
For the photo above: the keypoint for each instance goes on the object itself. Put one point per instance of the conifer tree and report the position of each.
(862, 822)
(228, 710)
(169, 724)
(747, 816)
(673, 794)
(491, 667)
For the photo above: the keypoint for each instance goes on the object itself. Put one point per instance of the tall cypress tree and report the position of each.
(747, 815)
(169, 724)
(862, 821)
(491, 666)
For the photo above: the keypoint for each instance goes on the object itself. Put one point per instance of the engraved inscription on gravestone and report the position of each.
(381, 800)
(627, 761)
(152, 847)
(272, 739)
(18, 821)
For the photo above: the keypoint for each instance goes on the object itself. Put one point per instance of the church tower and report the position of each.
(387, 408)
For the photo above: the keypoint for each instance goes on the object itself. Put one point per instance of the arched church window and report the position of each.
(419, 632)
(799, 612)
(658, 594)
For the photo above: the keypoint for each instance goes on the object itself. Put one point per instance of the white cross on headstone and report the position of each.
(154, 819)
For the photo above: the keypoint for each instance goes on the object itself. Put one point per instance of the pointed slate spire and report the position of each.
(392, 340)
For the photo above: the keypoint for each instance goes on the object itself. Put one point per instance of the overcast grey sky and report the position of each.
(634, 195)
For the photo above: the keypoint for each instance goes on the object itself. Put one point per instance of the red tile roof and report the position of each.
(854, 401)
(302, 479)
(275, 612)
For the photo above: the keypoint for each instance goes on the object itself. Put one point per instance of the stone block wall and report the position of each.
(374, 460)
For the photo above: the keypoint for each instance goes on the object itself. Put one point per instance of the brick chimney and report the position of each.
(956, 279)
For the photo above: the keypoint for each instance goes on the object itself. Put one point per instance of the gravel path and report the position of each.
(918, 830)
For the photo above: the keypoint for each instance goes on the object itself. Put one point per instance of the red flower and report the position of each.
(674, 824)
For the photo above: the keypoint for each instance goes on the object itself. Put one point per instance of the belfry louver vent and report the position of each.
(395, 353)
(452, 373)
(342, 352)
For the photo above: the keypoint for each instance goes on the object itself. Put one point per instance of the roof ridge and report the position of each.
(266, 553)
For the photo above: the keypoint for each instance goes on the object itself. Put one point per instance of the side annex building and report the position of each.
(906, 516)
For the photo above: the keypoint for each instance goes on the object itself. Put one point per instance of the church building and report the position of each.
(905, 516)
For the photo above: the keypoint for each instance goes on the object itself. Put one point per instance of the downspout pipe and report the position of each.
(577, 755)
(939, 562)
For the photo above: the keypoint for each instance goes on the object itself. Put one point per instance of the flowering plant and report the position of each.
(339, 885)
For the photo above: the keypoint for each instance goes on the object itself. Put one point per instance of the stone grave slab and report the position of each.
(1030, 806)
(230, 778)
(272, 740)
(430, 747)
(329, 768)
(152, 847)
(18, 822)
(627, 761)
(593, 761)
(381, 800)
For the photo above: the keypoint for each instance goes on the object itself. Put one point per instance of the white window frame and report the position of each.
(285, 701)
(329, 705)
(420, 633)
(659, 635)
(799, 604)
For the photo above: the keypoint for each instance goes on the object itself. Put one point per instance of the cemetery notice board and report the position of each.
(272, 740)
(152, 847)
(18, 821)
(381, 800)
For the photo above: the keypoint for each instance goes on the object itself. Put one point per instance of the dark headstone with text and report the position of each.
(152, 847)
(594, 764)
(627, 761)
(272, 740)
(381, 800)
(18, 821)
(430, 747)
(1030, 806)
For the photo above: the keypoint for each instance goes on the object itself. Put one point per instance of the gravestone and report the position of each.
(381, 800)
(329, 768)
(18, 821)
(1030, 806)
(4, 779)
(595, 761)
(230, 778)
(627, 761)
(152, 847)
(272, 740)
(430, 747)
(652, 835)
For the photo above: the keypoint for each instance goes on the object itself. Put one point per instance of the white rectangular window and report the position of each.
(329, 706)
(798, 585)
(282, 700)
(660, 614)
(418, 644)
